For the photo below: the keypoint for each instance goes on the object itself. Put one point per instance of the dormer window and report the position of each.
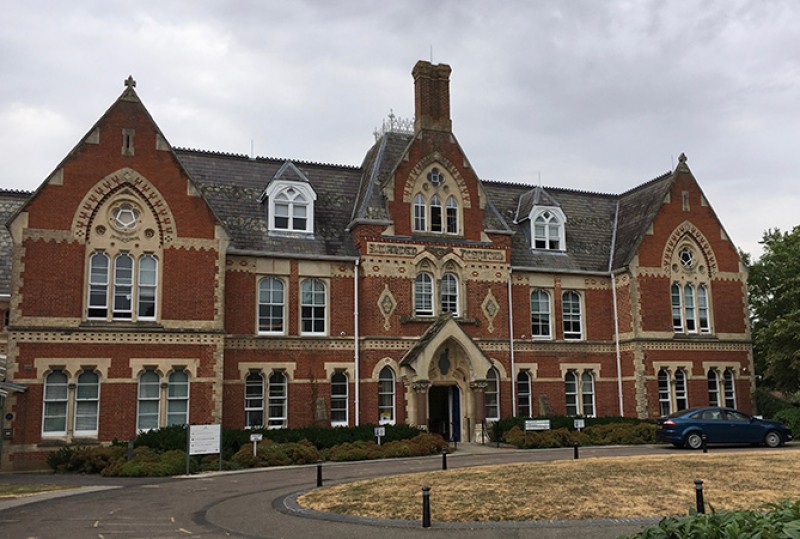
(291, 211)
(544, 220)
(291, 201)
(548, 230)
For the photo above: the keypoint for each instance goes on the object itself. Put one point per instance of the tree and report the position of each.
(774, 290)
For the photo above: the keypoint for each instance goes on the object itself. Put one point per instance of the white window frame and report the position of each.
(123, 288)
(293, 192)
(55, 395)
(98, 285)
(151, 288)
(386, 397)
(448, 294)
(681, 390)
(423, 294)
(573, 316)
(703, 312)
(419, 217)
(571, 394)
(340, 397)
(676, 300)
(524, 394)
(266, 303)
(310, 306)
(451, 220)
(140, 399)
(689, 309)
(541, 319)
(664, 392)
(548, 225)
(588, 393)
(713, 388)
(492, 395)
(437, 215)
(729, 388)
(174, 398)
(89, 400)
(278, 400)
(253, 400)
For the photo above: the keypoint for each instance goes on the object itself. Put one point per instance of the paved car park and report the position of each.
(253, 503)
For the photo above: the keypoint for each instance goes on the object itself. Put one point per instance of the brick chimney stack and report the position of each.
(432, 96)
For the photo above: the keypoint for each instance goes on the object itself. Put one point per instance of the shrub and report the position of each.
(269, 453)
(84, 459)
(172, 438)
(148, 463)
(782, 521)
(602, 434)
(499, 428)
(769, 404)
(791, 418)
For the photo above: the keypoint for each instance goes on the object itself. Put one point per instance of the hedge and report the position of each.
(499, 428)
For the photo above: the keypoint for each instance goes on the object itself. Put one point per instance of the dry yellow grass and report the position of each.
(647, 486)
(14, 490)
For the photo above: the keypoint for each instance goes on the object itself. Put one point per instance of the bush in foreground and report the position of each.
(782, 521)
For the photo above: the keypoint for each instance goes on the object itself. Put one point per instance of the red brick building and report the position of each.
(149, 285)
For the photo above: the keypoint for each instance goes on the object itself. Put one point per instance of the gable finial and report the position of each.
(129, 82)
(682, 158)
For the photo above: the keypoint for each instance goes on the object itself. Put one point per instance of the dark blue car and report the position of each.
(720, 426)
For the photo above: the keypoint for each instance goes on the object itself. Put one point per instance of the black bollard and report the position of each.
(698, 487)
(444, 459)
(319, 473)
(705, 442)
(426, 507)
(575, 451)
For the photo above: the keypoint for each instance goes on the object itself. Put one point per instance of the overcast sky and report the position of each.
(593, 95)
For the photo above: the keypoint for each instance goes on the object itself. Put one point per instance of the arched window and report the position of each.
(571, 306)
(587, 393)
(313, 302)
(123, 286)
(524, 394)
(54, 421)
(571, 393)
(98, 285)
(254, 400)
(386, 397)
(423, 294)
(148, 287)
(271, 302)
(689, 309)
(702, 309)
(339, 406)
(492, 395)
(178, 398)
(436, 214)
(664, 393)
(540, 315)
(677, 308)
(451, 215)
(449, 294)
(419, 213)
(713, 388)
(87, 404)
(290, 211)
(681, 398)
(149, 400)
(547, 231)
(730, 388)
(278, 400)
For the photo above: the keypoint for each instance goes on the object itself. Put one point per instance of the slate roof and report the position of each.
(10, 202)
(378, 165)
(232, 185)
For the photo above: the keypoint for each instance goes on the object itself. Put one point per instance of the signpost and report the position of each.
(537, 424)
(203, 440)
(379, 432)
(580, 424)
(255, 438)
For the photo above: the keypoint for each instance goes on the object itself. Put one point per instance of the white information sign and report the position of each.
(256, 437)
(205, 439)
(380, 431)
(537, 424)
(580, 424)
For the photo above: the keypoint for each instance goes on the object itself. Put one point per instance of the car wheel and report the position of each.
(772, 439)
(694, 441)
